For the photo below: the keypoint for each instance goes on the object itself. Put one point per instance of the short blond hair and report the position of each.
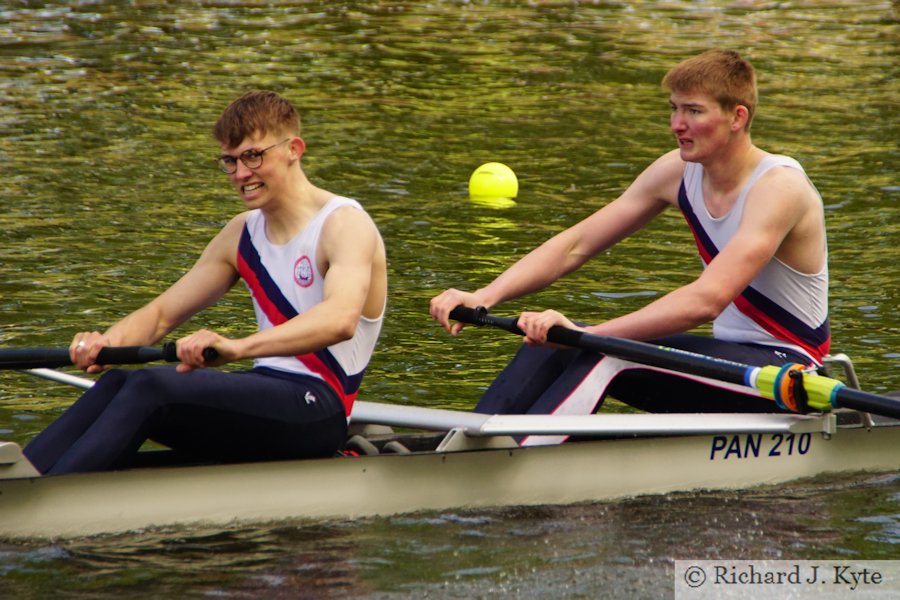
(720, 74)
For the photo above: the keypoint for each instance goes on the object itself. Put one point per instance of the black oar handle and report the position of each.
(129, 355)
(480, 316)
(51, 358)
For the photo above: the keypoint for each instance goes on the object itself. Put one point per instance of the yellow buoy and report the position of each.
(493, 184)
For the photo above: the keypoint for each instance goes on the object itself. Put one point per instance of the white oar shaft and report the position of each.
(52, 375)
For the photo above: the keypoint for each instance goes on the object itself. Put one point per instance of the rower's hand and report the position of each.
(190, 350)
(537, 324)
(84, 349)
(443, 303)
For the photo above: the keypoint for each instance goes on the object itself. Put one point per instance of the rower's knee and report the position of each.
(149, 388)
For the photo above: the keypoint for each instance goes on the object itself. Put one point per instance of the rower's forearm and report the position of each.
(676, 312)
(309, 332)
(533, 272)
(142, 327)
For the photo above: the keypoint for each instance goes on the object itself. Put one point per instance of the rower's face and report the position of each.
(259, 165)
(700, 125)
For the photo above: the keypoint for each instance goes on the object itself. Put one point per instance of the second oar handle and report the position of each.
(480, 316)
(641, 352)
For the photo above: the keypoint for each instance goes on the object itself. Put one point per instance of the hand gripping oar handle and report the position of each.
(787, 385)
(51, 358)
(660, 356)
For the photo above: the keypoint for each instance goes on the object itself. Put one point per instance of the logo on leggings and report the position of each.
(303, 272)
(309, 397)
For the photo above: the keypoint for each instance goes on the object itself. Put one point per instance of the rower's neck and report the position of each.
(293, 211)
(733, 167)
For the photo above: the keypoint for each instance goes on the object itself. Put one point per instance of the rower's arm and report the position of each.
(654, 189)
(214, 273)
(771, 212)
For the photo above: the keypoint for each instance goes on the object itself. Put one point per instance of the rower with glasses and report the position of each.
(315, 266)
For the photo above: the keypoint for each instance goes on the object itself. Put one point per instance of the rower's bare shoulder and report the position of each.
(233, 229)
(224, 245)
(661, 180)
(348, 220)
(784, 186)
(669, 167)
(350, 223)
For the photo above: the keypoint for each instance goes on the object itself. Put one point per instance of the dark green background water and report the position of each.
(109, 193)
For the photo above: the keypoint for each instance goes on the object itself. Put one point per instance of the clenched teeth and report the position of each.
(251, 187)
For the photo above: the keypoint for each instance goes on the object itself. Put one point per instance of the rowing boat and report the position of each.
(409, 459)
(451, 460)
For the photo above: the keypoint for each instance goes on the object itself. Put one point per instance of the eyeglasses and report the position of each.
(252, 159)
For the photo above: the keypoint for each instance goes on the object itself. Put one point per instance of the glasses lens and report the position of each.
(227, 164)
(252, 159)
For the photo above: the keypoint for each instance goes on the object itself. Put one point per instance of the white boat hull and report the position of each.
(387, 484)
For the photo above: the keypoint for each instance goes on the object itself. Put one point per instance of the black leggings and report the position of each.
(206, 413)
(540, 379)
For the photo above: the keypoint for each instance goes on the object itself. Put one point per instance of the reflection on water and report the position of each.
(109, 193)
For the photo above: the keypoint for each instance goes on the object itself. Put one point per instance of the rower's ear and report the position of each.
(740, 117)
(298, 147)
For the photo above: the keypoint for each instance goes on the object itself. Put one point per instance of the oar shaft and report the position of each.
(644, 353)
(847, 397)
(823, 392)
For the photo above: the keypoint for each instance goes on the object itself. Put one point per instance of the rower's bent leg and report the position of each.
(255, 416)
(658, 391)
(117, 432)
(53, 442)
(213, 413)
(527, 376)
(579, 390)
(668, 392)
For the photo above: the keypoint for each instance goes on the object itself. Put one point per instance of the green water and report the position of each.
(109, 192)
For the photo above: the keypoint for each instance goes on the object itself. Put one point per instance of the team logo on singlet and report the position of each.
(303, 272)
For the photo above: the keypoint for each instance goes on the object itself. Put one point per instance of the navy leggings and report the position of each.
(539, 379)
(206, 414)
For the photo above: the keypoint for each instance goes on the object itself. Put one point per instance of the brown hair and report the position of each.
(256, 113)
(721, 74)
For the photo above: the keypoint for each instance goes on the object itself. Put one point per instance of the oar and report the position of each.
(479, 424)
(50, 358)
(790, 386)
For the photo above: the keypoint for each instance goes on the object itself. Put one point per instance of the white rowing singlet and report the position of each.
(781, 306)
(285, 282)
